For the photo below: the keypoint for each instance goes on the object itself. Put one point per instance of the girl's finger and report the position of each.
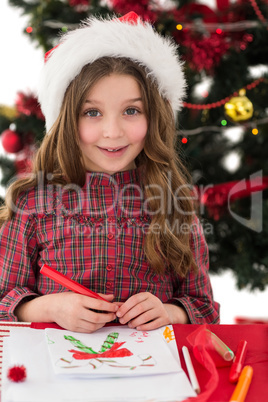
(97, 317)
(159, 322)
(134, 301)
(96, 304)
(144, 318)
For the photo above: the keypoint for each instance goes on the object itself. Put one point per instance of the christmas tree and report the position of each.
(222, 129)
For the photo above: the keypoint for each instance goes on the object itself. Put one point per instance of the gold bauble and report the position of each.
(239, 108)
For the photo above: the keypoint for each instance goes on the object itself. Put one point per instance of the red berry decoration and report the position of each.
(17, 373)
(11, 141)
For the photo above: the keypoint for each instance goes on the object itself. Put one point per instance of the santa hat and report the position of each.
(128, 37)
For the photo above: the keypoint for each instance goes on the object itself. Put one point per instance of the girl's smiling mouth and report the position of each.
(118, 151)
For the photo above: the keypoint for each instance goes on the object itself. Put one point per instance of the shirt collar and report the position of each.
(105, 179)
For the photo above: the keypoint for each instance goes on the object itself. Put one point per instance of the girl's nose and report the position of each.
(112, 128)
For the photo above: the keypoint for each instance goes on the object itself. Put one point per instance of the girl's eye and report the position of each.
(131, 111)
(92, 113)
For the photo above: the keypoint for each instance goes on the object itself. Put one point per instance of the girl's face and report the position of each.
(112, 124)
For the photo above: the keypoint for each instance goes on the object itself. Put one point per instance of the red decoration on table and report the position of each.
(199, 341)
(11, 141)
(238, 362)
(17, 373)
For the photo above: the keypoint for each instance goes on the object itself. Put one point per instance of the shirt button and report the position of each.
(109, 285)
(110, 236)
(110, 219)
(109, 267)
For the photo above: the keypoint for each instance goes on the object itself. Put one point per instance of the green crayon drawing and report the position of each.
(110, 349)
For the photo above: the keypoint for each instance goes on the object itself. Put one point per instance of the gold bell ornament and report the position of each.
(239, 108)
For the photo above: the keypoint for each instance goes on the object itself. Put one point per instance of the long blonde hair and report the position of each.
(60, 155)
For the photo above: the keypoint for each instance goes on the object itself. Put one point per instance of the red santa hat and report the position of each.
(127, 36)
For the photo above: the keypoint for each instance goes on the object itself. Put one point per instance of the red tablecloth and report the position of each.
(257, 357)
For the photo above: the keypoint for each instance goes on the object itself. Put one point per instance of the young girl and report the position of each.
(108, 203)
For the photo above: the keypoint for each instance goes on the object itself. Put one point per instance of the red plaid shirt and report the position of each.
(95, 236)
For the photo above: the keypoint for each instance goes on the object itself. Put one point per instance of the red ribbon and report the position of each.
(201, 343)
(219, 195)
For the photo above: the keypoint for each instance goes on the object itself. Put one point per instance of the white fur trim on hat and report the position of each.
(97, 38)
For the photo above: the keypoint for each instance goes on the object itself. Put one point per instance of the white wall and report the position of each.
(20, 60)
(236, 302)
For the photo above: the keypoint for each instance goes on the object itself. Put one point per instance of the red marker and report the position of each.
(68, 283)
(238, 362)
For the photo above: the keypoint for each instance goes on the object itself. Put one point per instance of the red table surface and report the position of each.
(257, 357)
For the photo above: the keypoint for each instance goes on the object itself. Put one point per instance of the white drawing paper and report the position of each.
(29, 347)
(110, 351)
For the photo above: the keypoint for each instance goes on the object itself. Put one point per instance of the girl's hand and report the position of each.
(145, 311)
(82, 313)
(70, 310)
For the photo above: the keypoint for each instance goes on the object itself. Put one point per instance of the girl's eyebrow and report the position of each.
(126, 101)
(133, 100)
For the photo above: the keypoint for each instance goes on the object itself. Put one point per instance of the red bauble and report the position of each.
(11, 141)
